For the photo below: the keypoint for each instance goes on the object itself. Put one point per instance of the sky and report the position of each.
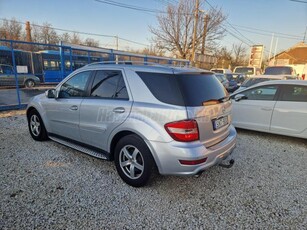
(253, 21)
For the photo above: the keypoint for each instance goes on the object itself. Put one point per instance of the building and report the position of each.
(293, 56)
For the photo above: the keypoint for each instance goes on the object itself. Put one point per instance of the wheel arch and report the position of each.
(124, 133)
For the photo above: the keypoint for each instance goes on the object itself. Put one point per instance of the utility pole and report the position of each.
(271, 46)
(305, 34)
(275, 50)
(195, 30)
(206, 19)
(116, 37)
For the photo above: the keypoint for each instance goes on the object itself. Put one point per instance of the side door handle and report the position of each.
(119, 110)
(266, 109)
(74, 107)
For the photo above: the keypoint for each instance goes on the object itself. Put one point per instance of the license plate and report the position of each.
(220, 122)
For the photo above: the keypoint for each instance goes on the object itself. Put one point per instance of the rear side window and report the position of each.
(164, 87)
(184, 89)
(294, 93)
(109, 84)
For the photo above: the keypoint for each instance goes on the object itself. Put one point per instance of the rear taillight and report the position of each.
(184, 131)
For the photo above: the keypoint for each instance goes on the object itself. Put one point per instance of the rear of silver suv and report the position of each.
(178, 120)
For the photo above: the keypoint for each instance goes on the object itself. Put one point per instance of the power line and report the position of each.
(300, 1)
(249, 43)
(79, 32)
(252, 28)
(137, 8)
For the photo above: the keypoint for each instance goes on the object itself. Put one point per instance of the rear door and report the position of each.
(290, 112)
(106, 107)
(255, 110)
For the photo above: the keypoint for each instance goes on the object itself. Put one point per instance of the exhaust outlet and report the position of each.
(227, 164)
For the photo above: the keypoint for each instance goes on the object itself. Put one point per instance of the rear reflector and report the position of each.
(184, 131)
(195, 162)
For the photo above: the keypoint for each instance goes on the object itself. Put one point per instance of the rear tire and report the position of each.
(133, 160)
(29, 84)
(36, 126)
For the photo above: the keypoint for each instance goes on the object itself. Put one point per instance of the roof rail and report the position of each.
(134, 63)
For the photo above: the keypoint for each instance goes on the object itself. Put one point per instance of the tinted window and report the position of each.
(184, 89)
(252, 81)
(109, 84)
(217, 70)
(164, 87)
(75, 86)
(245, 70)
(294, 93)
(261, 93)
(278, 70)
(6, 69)
(199, 88)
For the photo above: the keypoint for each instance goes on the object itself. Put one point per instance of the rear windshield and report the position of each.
(278, 70)
(244, 70)
(184, 89)
(252, 81)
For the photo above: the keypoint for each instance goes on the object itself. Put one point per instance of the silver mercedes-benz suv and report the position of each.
(141, 116)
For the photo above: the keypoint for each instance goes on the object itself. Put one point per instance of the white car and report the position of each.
(253, 80)
(278, 107)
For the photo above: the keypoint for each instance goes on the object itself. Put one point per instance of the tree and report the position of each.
(175, 29)
(65, 37)
(91, 42)
(75, 39)
(239, 55)
(48, 35)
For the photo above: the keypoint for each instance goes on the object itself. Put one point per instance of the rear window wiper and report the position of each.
(216, 101)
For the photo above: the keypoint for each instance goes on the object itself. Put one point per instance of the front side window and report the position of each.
(266, 93)
(75, 86)
(294, 93)
(109, 84)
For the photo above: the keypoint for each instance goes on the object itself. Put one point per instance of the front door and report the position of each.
(64, 112)
(255, 110)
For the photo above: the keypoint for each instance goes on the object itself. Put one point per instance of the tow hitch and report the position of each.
(227, 163)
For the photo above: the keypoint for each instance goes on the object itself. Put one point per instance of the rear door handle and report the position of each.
(266, 108)
(74, 107)
(119, 110)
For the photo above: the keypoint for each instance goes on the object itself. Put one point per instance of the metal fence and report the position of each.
(28, 69)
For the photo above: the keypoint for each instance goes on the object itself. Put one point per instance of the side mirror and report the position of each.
(51, 93)
(239, 97)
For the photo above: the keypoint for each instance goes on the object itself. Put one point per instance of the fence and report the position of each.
(24, 65)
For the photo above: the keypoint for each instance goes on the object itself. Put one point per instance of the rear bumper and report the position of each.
(167, 155)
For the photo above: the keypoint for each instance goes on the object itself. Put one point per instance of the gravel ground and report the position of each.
(47, 185)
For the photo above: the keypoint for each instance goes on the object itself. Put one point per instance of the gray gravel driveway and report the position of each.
(47, 185)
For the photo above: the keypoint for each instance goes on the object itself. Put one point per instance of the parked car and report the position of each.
(175, 119)
(220, 70)
(222, 78)
(248, 70)
(232, 82)
(261, 78)
(280, 70)
(7, 78)
(278, 107)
